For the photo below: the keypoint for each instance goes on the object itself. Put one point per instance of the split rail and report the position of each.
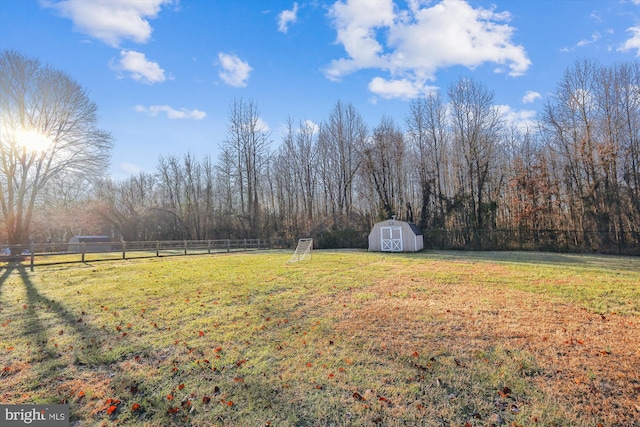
(62, 253)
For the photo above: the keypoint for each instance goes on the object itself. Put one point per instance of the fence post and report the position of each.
(82, 248)
(245, 245)
(124, 249)
(228, 246)
(157, 247)
(33, 251)
(185, 247)
(209, 246)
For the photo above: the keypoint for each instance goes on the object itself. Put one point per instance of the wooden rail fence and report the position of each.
(62, 253)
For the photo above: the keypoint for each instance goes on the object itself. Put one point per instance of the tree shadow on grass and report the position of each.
(39, 307)
(64, 353)
(8, 269)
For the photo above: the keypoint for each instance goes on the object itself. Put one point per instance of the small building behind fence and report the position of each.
(91, 244)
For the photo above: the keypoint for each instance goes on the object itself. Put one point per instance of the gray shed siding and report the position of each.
(395, 236)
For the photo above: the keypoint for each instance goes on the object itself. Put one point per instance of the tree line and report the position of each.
(454, 166)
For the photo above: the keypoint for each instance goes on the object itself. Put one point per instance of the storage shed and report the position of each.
(91, 244)
(395, 236)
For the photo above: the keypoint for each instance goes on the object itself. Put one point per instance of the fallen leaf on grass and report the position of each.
(358, 396)
(206, 399)
(384, 399)
(135, 407)
(173, 410)
(505, 392)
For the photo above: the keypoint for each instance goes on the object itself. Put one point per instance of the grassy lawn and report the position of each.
(348, 338)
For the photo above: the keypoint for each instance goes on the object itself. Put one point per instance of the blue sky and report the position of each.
(165, 72)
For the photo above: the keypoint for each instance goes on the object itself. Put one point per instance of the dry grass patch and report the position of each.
(585, 366)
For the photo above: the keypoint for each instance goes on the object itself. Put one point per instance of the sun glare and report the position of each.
(33, 141)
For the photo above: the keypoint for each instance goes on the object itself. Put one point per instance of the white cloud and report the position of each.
(171, 113)
(262, 126)
(234, 72)
(530, 96)
(400, 88)
(594, 38)
(412, 44)
(287, 17)
(523, 119)
(311, 126)
(111, 21)
(634, 42)
(356, 23)
(139, 67)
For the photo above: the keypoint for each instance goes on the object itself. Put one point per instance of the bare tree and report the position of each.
(64, 209)
(618, 128)
(247, 144)
(129, 206)
(295, 166)
(340, 142)
(592, 126)
(48, 126)
(384, 165)
(476, 125)
(429, 138)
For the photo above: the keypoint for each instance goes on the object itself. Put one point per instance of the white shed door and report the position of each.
(391, 238)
